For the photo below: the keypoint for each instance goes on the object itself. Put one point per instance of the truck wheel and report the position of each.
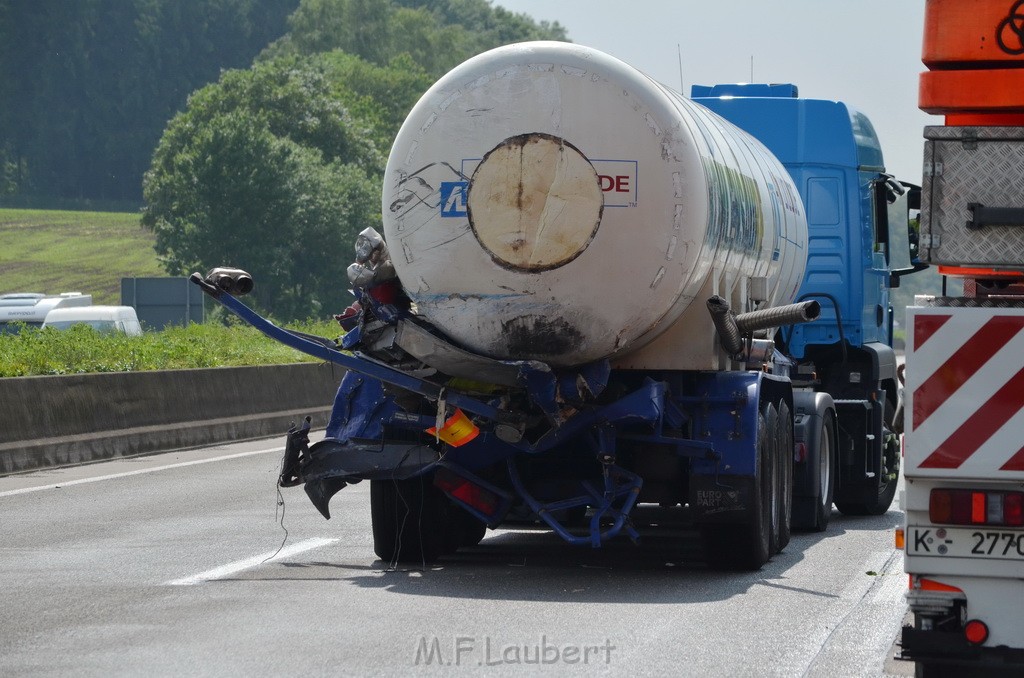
(410, 518)
(814, 515)
(747, 546)
(773, 431)
(784, 457)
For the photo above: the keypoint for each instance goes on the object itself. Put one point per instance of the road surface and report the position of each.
(179, 564)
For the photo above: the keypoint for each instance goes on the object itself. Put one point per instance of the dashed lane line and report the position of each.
(82, 481)
(249, 563)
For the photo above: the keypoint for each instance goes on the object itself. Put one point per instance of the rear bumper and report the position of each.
(950, 648)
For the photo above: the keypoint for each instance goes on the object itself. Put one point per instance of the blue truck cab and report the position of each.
(858, 248)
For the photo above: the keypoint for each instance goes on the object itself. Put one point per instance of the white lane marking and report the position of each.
(238, 566)
(80, 481)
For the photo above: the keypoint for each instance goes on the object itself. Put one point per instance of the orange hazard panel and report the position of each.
(972, 91)
(967, 33)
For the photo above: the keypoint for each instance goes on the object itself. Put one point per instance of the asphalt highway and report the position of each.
(180, 564)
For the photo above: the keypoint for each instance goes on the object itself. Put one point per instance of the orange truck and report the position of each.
(964, 432)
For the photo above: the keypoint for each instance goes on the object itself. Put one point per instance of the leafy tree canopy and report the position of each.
(436, 34)
(88, 85)
(276, 169)
(266, 170)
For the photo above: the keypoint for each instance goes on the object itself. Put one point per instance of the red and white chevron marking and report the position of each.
(965, 392)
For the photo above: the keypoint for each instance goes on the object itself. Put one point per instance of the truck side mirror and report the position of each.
(901, 236)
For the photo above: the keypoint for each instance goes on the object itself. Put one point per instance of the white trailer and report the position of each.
(964, 500)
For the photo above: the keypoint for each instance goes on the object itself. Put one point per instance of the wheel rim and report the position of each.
(825, 466)
(773, 477)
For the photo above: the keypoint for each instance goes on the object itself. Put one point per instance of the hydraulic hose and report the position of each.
(778, 316)
(731, 327)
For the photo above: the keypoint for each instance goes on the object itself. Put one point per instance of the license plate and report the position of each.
(965, 542)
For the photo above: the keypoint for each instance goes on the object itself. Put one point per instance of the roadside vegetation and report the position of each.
(82, 349)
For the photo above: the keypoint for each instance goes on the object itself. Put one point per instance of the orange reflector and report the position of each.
(978, 513)
(976, 632)
(457, 431)
(900, 543)
(932, 585)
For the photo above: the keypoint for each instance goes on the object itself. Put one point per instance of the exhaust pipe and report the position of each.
(234, 281)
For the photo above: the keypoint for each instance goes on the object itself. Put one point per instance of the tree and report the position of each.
(266, 171)
(379, 96)
(89, 85)
(436, 34)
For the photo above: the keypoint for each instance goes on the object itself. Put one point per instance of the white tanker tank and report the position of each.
(546, 201)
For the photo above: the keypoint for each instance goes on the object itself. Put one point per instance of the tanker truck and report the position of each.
(594, 294)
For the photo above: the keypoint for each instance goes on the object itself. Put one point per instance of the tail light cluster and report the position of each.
(479, 497)
(976, 507)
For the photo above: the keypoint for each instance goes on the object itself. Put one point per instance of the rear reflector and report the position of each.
(976, 632)
(976, 507)
(457, 430)
(925, 584)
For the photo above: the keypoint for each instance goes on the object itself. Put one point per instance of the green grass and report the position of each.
(53, 251)
(81, 349)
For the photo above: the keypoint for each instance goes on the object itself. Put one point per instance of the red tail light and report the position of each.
(976, 632)
(976, 507)
(490, 502)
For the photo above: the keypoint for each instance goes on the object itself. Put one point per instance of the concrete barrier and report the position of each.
(64, 420)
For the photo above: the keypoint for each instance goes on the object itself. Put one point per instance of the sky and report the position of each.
(866, 53)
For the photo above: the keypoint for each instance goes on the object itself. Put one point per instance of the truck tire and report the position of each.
(773, 430)
(814, 515)
(785, 459)
(747, 546)
(411, 521)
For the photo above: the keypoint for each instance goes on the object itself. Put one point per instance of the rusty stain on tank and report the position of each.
(534, 202)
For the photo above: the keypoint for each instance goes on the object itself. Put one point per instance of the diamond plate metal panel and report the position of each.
(971, 165)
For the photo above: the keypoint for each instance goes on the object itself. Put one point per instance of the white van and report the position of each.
(32, 308)
(101, 318)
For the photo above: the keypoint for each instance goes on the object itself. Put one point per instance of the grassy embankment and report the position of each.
(89, 252)
(51, 251)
